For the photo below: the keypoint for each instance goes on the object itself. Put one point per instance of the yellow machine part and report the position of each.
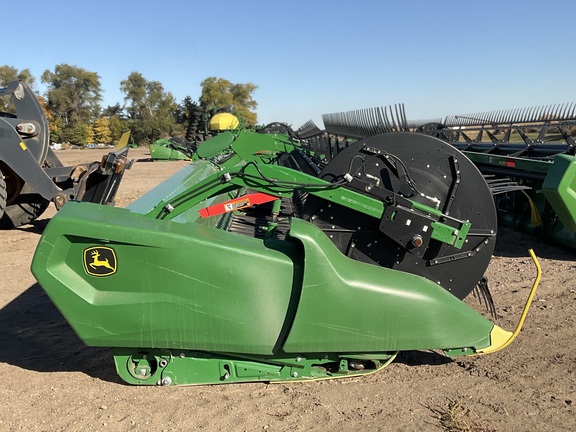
(502, 338)
(223, 121)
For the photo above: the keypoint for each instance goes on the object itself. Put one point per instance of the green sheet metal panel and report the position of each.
(560, 189)
(211, 147)
(350, 306)
(174, 286)
(161, 150)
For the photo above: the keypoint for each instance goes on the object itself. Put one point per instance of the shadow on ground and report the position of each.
(511, 243)
(420, 358)
(36, 337)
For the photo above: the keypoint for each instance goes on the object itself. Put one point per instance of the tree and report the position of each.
(151, 110)
(54, 125)
(74, 96)
(9, 73)
(113, 110)
(220, 94)
(216, 94)
(101, 131)
(118, 126)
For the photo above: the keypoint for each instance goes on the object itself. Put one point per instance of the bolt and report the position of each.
(294, 374)
(182, 355)
(298, 359)
(417, 240)
(163, 363)
(166, 381)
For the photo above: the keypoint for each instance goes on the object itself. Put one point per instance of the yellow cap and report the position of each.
(223, 121)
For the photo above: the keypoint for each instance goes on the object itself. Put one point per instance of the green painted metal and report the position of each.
(395, 311)
(183, 367)
(182, 301)
(560, 189)
(244, 145)
(281, 181)
(548, 208)
(256, 147)
(215, 145)
(176, 285)
(521, 164)
(161, 150)
(449, 235)
(171, 291)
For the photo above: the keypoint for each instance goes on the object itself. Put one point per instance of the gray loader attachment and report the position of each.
(31, 175)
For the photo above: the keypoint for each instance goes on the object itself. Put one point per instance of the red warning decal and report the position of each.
(236, 204)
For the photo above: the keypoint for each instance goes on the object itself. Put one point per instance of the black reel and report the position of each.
(400, 168)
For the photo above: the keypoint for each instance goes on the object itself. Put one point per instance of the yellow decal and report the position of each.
(23, 146)
(100, 261)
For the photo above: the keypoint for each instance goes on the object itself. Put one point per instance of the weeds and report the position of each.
(455, 417)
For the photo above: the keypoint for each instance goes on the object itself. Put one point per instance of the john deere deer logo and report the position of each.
(100, 261)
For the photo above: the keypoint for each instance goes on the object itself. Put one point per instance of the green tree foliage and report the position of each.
(80, 133)
(216, 94)
(118, 125)
(9, 73)
(114, 110)
(221, 94)
(74, 96)
(151, 110)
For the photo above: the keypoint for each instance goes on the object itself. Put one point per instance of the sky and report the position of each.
(313, 57)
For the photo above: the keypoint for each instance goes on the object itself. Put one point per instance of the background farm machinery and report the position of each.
(525, 155)
(267, 259)
(31, 175)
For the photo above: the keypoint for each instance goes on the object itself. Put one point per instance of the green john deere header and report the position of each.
(259, 261)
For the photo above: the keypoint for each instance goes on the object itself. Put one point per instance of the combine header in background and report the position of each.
(31, 175)
(183, 149)
(527, 157)
(259, 261)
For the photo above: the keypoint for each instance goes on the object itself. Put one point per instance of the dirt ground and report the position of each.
(50, 381)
